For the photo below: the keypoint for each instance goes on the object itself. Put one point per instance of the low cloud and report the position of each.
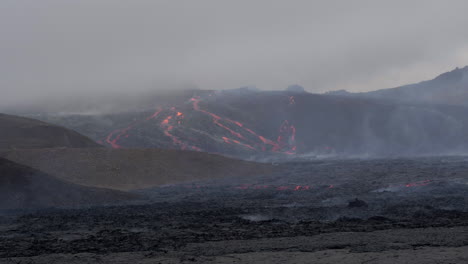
(56, 48)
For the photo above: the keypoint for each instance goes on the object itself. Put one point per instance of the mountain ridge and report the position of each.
(447, 88)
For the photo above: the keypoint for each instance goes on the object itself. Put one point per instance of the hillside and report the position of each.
(450, 88)
(127, 169)
(258, 125)
(19, 132)
(428, 118)
(22, 187)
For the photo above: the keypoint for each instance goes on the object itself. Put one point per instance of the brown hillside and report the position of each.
(127, 169)
(19, 132)
(22, 187)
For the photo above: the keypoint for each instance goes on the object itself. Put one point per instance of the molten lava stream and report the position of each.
(113, 138)
(285, 142)
(124, 132)
(276, 147)
(167, 128)
(417, 184)
(230, 141)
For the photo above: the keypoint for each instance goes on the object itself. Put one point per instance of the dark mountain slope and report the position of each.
(127, 169)
(449, 88)
(328, 124)
(22, 187)
(265, 124)
(20, 132)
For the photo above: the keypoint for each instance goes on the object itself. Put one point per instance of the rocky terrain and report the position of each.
(177, 200)
(23, 188)
(351, 211)
(169, 132)
(19, 132)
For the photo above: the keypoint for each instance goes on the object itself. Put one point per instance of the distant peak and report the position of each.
(295, 88)
(338, 92)
(241, 90)
(454, 75)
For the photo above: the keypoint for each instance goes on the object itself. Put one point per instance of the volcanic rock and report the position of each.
(356, 203)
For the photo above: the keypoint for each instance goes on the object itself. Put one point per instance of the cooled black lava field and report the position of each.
(328, 211)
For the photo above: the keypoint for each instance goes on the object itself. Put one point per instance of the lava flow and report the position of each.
(417, 184)
(287, 133)
(292, 100)
(168, 126)
(171, 122)
(287, 137)
(113, 142)
(217, 119)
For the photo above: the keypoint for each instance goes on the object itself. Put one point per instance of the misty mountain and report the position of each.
(101, 102)
(21, 132)
(449, 88)
(428, 118)
(283, 123)
(22, 187)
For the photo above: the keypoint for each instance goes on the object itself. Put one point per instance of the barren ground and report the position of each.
(407, 211)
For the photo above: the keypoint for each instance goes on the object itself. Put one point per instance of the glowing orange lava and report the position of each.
(287, 132)
(170, 121)
(292, 101)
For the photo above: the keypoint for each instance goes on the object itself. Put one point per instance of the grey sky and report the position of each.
(74, 46)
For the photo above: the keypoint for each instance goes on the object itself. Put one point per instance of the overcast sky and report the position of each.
(62, 47)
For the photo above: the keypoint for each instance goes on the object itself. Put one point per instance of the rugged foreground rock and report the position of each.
(416, 213)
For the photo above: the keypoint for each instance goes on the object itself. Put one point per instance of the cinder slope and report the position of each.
(127, 169)
(21, 132)
(22, 187)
